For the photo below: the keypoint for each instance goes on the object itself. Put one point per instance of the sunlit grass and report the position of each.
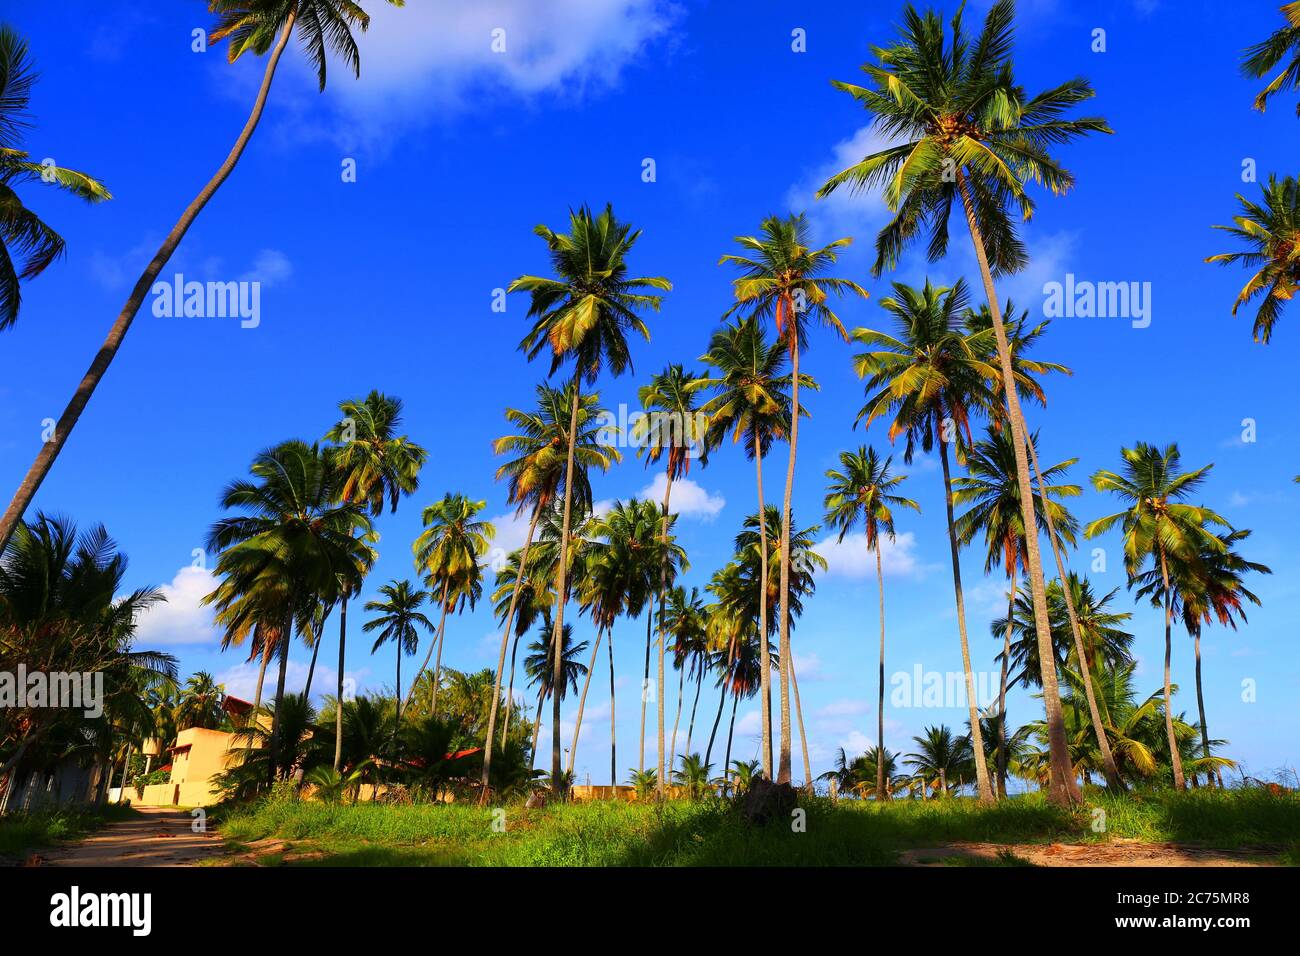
(21, 833)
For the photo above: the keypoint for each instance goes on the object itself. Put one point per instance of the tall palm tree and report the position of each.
(931, 376)
(375, 465)
(535, 475)
(751, 401)
(1271, 233)
(199, 703)
(401, 619)
(1209, 588)
(532, 603)
(296, 545)
(672, 430)
(784, 278)
(448, 552)
(584, 316)
(1159, 525)
(682, 617)
(539, 666)
(1282, 43)
(258, 26)
(969, 134)
(27, 245)
(740, 680)
(862, 493)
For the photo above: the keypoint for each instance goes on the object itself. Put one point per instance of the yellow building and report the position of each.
(198, 756)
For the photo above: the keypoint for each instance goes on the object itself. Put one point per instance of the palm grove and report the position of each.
(946, 370)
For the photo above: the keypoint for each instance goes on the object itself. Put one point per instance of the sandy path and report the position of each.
(1114, 853)
(157, 836)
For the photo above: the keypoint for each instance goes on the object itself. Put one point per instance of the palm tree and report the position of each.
(296, 546)
(260, 26)
(1159, 525)
(969, 133)
(694, 775)
(200, 702)
(682, 617)
(751, 401)
(400, 618)
(862, 493)
(584, 316)
(859, 775)
(940, 757)
(531, 606)
(672, 430)
(27, 245)
(1271, 233)
(448, 551)
(1282, 43)
(932, 378)
(538, 666)
(740, 679)
(375, 465)
(535, 475)
(1207, 588)
(784, 278)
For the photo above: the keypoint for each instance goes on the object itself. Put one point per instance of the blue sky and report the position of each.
(387, 283)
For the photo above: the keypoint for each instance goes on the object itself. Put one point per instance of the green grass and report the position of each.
(711, 833)
(21, 833)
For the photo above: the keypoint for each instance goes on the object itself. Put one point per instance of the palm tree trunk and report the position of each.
(437, 662)
(731, 732)
(645, 680)
(1109, 769)
(1200, 706)
(783, 648)
(397, 697)
(510, 692)
(311, 669)
(1174, 758)
(126, 767)
(104, 357)
(880, 703)
(803, 738)
(661, 783)
(722, 700)
(338, 688)
(613, 730)
(446, 587)
(501, 657)
(582, 702)
(690, 730)
(1064, 789)
(267, 650)
(972, 704)
(561, 583)
(273, 753)
(1003, 762)
(681, 693)
(537, 726)
(765, 678)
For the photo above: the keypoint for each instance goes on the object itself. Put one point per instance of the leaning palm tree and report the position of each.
(1271, 232)
(1159, 525)
(931, 376)
(672, 430)
(861, 492)
(1209, 588)
(535, 476)
(401, 620)
(751, 401)
(1282, 44)
(257, 26)
(448, 552)
(969, 134)
(584, 316)
(27, 245)
(295, 542)
(375, 465)
(785, 278)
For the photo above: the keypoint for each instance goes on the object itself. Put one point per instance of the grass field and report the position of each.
(22, 833)
(712, 832)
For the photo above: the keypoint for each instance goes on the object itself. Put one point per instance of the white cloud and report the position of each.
(181, 620)
(689, 499)
(847, 707)
(240, 680)
(844, 212)
(851, 559)
(270, 267)
(426, 60)
(808, 667)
